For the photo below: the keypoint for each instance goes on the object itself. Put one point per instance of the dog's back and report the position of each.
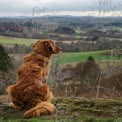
(42, 61)
(29, 87)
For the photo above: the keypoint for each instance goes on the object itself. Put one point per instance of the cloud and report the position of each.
(19, 7)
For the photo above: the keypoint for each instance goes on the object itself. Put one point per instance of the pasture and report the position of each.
(65, 58)
(69, 58)
(13, 40)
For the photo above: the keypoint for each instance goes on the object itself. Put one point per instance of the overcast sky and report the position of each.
(55, 7)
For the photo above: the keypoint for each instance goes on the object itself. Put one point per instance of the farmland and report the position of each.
(83, 56)
(65, 58)
(12, 40)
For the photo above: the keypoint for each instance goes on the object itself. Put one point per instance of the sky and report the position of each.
(62, 7)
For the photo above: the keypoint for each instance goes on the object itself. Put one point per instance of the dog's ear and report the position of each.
(46, 43)
(34, 44)
(49, 45)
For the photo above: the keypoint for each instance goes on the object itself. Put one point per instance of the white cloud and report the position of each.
(19, 7)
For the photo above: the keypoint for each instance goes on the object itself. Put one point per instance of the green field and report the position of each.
(64, 57)
(67, 58)
(13, 40)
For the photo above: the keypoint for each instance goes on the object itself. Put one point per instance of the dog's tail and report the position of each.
(40, 108)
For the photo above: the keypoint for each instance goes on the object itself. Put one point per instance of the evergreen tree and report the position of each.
(5, 60)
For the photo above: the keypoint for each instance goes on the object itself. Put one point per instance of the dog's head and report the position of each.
(46, 48)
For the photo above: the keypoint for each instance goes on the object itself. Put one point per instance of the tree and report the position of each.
(64, 30)
(5, 60)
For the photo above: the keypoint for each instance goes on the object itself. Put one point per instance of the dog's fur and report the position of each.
(42, 51)
(30, 92)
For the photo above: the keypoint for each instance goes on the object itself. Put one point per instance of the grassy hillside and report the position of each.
(72, 110)
(66, 58)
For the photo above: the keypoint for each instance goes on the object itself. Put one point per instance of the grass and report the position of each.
(78, 31)
(72, 110)
(13, 40)
(66, 58)
(67, 119)
(29, 120)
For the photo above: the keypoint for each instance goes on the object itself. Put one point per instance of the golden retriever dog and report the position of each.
(30, 92)
(42, 51)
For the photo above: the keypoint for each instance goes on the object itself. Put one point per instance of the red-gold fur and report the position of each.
(30, 92)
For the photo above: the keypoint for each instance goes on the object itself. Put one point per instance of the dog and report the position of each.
(30, 92)
(42, 51)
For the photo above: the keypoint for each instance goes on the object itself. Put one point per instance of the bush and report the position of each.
(5, 60)
(7, 73)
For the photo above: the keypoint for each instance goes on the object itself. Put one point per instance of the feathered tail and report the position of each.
(40, 108)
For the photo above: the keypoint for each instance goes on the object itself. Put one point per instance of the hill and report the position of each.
(71, 110)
